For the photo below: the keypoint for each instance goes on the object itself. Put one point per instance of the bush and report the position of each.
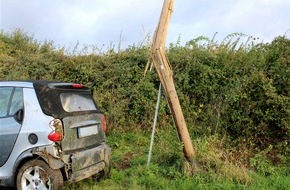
(238, 93)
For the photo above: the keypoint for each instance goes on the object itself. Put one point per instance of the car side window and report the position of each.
(5, 96)
(17, 101)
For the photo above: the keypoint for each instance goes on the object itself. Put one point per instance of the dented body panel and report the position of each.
(74, 139)
(79, 164)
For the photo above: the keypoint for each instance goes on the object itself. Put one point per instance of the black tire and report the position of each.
(38, 175)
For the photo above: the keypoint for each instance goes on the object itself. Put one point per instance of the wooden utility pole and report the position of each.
(158, 59)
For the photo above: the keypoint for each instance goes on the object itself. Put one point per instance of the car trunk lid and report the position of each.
(73, 104)
(82, 131)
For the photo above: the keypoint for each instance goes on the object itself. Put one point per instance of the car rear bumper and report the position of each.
(89, 162)
(87, 172)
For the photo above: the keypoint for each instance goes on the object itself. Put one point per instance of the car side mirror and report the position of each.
(18, 116)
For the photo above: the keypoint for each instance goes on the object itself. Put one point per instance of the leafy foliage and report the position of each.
(238, 92)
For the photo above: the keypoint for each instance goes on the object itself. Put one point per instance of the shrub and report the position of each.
(238, 93)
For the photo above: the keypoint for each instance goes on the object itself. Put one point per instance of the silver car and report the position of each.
(50, 132)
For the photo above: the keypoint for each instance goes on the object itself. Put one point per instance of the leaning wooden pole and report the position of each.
(158, 59)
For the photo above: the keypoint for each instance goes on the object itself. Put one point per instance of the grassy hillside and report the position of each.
(235, 97)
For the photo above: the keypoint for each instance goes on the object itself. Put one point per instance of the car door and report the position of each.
(11, 113)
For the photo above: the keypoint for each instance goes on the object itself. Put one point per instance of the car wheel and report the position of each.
(36, 174)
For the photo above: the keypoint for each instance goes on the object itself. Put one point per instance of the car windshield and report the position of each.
(74, 102)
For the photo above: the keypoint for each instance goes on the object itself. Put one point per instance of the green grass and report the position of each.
(166, 170)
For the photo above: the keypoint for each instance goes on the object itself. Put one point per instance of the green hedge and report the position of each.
(240, 93)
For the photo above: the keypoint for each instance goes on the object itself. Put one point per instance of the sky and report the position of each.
(132, 22)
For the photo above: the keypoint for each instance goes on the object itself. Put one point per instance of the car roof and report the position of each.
(48, 94)
(30, 83)
(17, 83)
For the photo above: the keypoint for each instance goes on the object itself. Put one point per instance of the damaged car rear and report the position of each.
(50, 132)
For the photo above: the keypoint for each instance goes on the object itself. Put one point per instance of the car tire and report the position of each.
(36, 174)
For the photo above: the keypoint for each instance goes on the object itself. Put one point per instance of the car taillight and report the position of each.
(57, 130)
(104, 124)
(77, 86)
